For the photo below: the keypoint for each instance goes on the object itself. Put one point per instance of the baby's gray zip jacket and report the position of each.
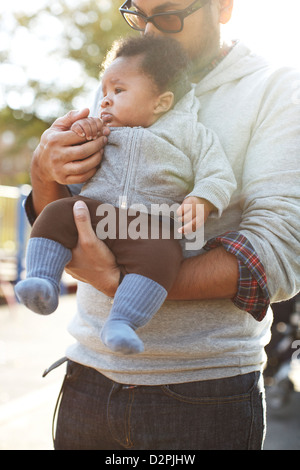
(174, 158)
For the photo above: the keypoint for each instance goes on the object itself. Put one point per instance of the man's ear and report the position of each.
(225, 11)
(164, 103)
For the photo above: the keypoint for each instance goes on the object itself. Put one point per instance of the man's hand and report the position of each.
(64, 158)
(92, 261)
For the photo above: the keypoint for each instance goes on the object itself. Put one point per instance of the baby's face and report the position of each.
(130, 96)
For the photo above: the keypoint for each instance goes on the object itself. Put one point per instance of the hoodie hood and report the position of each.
(240, 62)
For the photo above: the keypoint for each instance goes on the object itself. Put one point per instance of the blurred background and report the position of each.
(50, 56)
(50, 52)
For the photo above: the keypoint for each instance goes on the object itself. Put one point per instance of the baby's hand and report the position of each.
(193, 212)
(90, 128)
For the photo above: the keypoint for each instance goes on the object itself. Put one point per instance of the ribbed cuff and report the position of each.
(252, 295)
(137, 299)
(46, 259)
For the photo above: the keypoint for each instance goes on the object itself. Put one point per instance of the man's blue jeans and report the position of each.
(96, 413)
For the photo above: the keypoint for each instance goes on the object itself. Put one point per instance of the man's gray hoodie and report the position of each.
(251, 107)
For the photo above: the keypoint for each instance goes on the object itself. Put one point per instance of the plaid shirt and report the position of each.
(252, 295)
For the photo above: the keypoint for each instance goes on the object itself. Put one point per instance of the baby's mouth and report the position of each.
(106, 117)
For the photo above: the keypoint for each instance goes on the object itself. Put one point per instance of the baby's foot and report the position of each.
(39, 295)
(120, 337)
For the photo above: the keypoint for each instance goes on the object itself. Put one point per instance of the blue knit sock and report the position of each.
(45, 262)
(136, 301)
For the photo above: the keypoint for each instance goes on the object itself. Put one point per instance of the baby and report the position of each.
(157, 152)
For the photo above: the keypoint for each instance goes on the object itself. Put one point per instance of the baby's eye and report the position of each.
(118, 90)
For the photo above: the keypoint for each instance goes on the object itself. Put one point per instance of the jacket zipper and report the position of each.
(132, 150)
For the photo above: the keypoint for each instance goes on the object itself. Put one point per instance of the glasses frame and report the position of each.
(182, 14)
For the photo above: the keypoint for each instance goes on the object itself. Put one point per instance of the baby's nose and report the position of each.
(105, 102)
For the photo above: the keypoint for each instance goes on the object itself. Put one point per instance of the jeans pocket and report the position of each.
(224, 414)
(232, 389)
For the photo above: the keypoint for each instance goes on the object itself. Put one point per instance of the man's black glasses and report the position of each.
(166, 22)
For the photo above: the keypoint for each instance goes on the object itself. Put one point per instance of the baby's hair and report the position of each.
(163, 60)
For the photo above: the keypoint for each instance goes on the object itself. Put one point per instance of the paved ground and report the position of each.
(29, 343)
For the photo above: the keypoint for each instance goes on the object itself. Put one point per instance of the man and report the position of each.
(198, 385)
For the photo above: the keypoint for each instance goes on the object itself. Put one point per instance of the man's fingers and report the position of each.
(78, 167)
(83, 222)
(65, 122)
(76, 171)
(86, 149)
(67, 157)
(87, 238)
(74, 147)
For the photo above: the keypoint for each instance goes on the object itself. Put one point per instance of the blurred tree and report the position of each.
(19, 136)
(74, 36)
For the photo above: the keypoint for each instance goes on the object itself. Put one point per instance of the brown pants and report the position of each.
(158, 259)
